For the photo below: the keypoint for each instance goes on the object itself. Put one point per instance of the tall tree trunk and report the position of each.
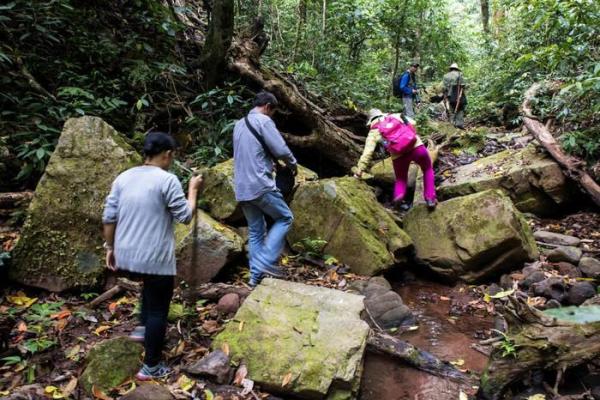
(220, 34)
(485, 15)
(324, 17)
(299, 27)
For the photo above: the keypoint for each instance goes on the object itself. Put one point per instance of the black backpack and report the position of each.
(396, 85)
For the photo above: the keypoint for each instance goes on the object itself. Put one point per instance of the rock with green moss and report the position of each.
(110, 363)
(533, 180)
(61, 245)
(310, 337)
(204, 248)
(471, 237)
(219, 195)
(359, 231)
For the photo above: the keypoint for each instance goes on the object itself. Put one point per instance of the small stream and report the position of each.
(448, 326)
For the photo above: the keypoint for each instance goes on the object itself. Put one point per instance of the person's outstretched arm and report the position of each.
(109, 224)
(277, 145)
(182, 209)
(370, 145)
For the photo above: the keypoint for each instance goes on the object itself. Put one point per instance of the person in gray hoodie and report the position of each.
(255, 187)
(138, 218)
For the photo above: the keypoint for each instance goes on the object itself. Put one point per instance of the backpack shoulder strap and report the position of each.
(259, 138)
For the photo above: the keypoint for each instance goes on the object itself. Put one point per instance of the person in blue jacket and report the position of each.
(408, 88)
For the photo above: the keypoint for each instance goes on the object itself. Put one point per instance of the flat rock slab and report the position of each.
(204, 248)
(219, 191)
(309, 337)
(471, 237)
(149, 391)
(61, 246)
(565, 253)
(533, 180)
(359, 231)
(556, 238)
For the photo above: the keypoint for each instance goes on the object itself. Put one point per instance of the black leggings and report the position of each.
(156, 298)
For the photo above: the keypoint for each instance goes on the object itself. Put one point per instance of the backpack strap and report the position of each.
(259, 138)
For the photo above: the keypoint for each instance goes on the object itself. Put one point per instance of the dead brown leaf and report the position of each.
(225, 348)
(286, 379)
(240, 375)
(99, 394)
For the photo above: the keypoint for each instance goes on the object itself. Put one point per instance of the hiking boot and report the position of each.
(273, 271)
(431, 204)
(138, 334)
(147, 373)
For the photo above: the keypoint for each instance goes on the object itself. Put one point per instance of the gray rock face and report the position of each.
(556, 238)
(214, 366)
(590, 267)
(533, 180)
(359, 231)
(149, 392)
(60, 246)
(565, 253)
(534, 277)
(580, 292)
(312, 337)
(204, 249)
(471, 237)
(386, 306)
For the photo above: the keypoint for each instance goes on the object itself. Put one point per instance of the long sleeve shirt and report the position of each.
(373, 139)
(253, 168)
(407, 84)
(144, 202)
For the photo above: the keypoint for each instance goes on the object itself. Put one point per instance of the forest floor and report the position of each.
(49, 335)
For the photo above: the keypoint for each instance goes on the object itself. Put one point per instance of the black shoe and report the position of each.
(431, 204)
(274, 271)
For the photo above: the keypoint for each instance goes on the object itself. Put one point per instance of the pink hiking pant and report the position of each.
(419, 155)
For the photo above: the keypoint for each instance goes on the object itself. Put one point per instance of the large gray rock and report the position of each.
(311, 337)
(580, 292)
(358, 230)
(533, 180)
(471, 237)
(565, 253)
(110, 363)
(219, 193)
(204, 248)
(556, 238)
(590, 267)
(61, 246)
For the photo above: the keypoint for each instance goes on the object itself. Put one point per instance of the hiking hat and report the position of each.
(372, 114)
(454, 66)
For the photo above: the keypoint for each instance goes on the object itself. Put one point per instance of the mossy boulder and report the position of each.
(471, 237)
(219, 191)
(61, 244)
(358, 230)
(110, 363)
(311, 337)
(534, 181)
(204, 248)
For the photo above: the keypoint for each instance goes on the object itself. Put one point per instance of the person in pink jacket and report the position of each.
(418, 154)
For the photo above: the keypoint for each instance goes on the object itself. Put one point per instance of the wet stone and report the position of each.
(590, 267)
(215, 366)
(551, 288)
(556, 238)
(568, 269)
(565, 253)
(535, 277)
(580, 292)
(229, 304)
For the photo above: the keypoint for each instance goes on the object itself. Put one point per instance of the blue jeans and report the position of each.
(266, 247)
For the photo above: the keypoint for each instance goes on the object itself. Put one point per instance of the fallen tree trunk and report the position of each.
(306, 124)
(574, 167)
(214, 291)
(15, 200)
(540, 343)
(380, 343)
